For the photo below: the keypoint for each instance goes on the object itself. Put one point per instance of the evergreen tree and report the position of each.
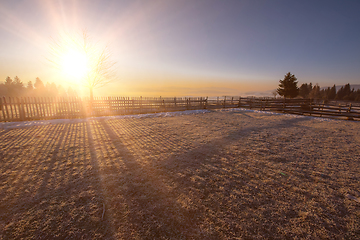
(347, 92)
(8, 81)
(3, 90)
(288, 86)
(339, 94)
(344, 93)
(304, 90)
(315, 92)
(18, 83)
(324, 93)
(39, 84)
(310, 87)
(357, 95)
(29, 89)
(332, 93)
(18, 87)
(30, 86)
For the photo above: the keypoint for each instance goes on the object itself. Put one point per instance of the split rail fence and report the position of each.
(310, 107)
(40, 108)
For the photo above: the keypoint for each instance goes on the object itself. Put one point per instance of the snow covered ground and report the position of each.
(219, 174)
(9, 125)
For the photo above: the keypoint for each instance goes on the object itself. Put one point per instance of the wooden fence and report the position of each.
(32, 108)
(39, 108)
(311, 107)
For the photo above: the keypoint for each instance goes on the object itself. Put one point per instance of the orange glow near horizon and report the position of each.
(154, 58)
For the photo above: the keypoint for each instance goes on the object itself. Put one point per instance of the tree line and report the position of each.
(16, 88)
(288, 88)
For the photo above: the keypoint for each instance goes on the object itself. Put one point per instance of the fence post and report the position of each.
(141, 104)
(284, 105)
(4, 108)
(322, 109)
(126, 104)
(11, 108)
(205, 103)
(349, 117)
(266, 103)
(91, 105)
(26, 105)
(21, 109)
(349, 108)
(110, 107)
(225, 102)
(18, 105)
(132, 104)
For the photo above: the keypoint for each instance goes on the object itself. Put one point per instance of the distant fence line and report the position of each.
(310, 107)
(40, 108)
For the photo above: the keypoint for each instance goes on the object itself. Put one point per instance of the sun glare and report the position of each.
(75, 64)
(79, 61)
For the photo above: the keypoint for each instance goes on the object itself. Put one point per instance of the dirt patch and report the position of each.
(217, 175)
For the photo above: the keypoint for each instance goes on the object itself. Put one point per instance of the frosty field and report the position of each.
(222, 174)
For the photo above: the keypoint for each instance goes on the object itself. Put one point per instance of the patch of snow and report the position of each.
(275, 113)
(10, 125)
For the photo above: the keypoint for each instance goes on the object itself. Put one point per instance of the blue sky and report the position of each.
(191, 47)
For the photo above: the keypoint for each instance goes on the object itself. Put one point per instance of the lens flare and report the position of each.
(75, 64)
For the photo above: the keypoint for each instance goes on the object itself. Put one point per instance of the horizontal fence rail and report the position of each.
(40, 108)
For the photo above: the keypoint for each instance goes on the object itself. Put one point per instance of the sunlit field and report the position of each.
(215, 175)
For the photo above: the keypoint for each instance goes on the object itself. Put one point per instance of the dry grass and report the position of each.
(218, 175)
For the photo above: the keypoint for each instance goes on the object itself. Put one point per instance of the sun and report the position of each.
(75, 64)
(80, 61)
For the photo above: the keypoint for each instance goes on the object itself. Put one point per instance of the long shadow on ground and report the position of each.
(189, 177)
(219, 188)
(49, 187)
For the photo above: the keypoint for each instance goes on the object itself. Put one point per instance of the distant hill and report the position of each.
(258, 94)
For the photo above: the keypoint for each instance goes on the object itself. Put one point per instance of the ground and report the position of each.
(230, 174)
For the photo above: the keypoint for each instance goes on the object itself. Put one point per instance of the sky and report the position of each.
(189, 47)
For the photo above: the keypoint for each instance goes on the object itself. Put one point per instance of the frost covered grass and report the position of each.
(220, 174)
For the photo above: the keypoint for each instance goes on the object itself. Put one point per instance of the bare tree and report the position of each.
(274, 93)
(95, 61)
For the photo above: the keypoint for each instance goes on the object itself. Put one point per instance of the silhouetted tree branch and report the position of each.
(99, 59)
